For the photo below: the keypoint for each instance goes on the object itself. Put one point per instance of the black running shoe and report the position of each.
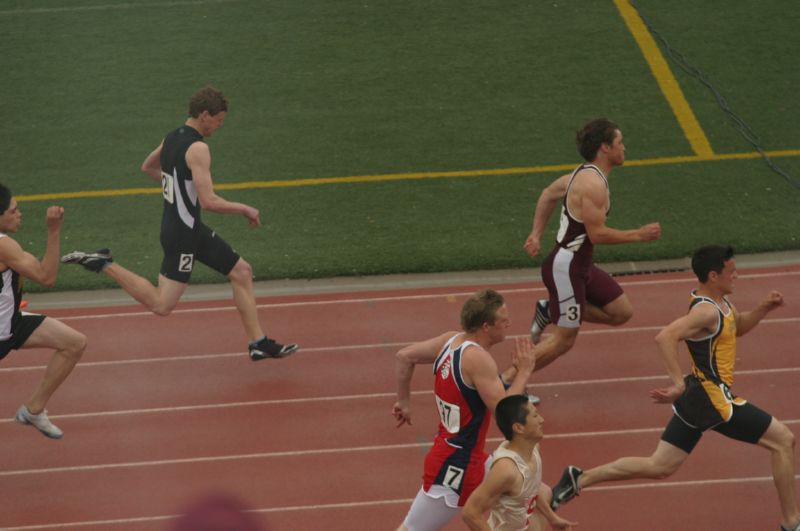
(540, 319)
(96, 261)
(567, 487)
(267, 348)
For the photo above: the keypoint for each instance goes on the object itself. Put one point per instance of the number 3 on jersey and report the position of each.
(450, 414)
(168, 187)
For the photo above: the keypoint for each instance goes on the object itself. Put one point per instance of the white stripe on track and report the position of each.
(398, 501)
(358, 300)
(302, 453)
(370, 396)
(367, 346)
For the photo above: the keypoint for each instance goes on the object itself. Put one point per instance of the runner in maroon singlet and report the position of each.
(577, 289)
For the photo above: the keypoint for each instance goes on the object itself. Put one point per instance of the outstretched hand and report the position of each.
(524, 355)
(402, 413)
(253, 216)
(55, 217)
(562, 523)
(532, 246)
(666, 395)
(773, 300)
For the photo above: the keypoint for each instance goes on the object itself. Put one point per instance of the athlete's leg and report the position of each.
(428, 514)
(160, 300)
(779, 440)
(606, 303)
(664, 462)
(241, 277)
(69, 345)
(615, 313)
(559, 342)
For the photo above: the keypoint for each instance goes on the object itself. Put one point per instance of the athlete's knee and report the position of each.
(74, 345)
(242, 272)
(563, 342)
(163, 308)
(783, 437)
(662, 469)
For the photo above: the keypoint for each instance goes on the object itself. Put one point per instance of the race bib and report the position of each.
(449, 414)
(168, 187)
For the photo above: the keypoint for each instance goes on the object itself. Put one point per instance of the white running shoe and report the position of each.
(40, 422)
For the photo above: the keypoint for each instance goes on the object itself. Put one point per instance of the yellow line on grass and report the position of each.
(406, 176)
(666, 81)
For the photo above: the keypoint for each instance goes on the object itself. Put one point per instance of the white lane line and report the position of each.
(398, 501)
(359, 300)
(103, 7)
(302, 453)
(337, 348)
(373, 396)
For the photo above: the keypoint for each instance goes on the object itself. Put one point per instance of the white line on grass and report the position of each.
(104, 7)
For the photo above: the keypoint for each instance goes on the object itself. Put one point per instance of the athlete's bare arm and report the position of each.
(746, 321)
(548, 200)
(701, 321)
(198, 159)
(480, 371)
(152, 164)
(423, 352)
(42, 272)
(589, 202)
(503, 478)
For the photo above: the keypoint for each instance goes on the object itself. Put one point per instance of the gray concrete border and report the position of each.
(272, 288)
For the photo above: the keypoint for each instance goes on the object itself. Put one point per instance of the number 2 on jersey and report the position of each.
(168, 187)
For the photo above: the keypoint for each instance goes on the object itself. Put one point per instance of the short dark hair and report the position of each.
(480, 308)
(509, 411)
(594, 134)
(5, 199)
(207, 99)
(710, 258)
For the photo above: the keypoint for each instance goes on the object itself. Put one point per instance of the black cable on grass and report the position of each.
(738, 123)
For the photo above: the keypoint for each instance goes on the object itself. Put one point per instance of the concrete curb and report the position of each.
(272, 288)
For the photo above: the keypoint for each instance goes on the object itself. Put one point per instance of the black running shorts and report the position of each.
(202, 245)
(26, 324)
(748, 423)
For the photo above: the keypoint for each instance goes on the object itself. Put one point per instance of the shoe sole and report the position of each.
(280, 356)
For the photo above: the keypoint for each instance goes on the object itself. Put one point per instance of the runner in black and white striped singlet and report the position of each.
(21, 330)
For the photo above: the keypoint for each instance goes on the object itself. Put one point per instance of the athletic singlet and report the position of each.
(10, 296)
(571, 231)
(714, 356)
(511, 513)
(462, 413)
(181, 208)
(456, 459)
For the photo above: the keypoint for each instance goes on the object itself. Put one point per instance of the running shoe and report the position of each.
(540, 319)
(39, 421)
(795, 528)
(268, 348)
(567, 487)
(95, 262)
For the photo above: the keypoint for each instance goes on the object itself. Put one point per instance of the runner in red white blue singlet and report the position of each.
(457, 458)
(466, 389)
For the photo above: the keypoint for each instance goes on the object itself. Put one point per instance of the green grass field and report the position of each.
(350, 89)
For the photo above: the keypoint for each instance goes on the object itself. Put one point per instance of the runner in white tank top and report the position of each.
(512, 490)
(511, 512)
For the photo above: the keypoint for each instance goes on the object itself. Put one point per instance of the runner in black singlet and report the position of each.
(182, 162)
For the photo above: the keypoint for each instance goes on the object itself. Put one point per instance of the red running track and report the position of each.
(163, 410)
